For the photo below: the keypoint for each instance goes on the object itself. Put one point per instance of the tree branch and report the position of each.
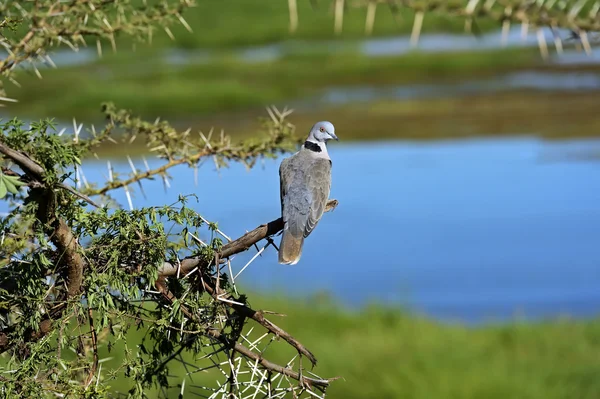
(239, 245)
(57, 230)
(28, 165)
(234, 247)
(241, 349)
(150, 173)
(270, 326)
(45, 328)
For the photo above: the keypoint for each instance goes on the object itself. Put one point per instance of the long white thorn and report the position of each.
(339, 16)
(250, 261)
(370, 21)
(542, 44)
(128, 195)
(416, 30)
(293, 7)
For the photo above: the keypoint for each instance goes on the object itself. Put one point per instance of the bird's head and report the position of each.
(321, 132)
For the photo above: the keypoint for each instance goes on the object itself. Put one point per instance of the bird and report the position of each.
(305, 182)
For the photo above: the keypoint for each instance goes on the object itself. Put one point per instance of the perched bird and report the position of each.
(305, 181)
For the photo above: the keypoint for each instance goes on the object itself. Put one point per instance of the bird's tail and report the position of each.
(290, 248)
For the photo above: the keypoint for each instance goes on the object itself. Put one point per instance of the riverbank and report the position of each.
(548, 114)
(152, 86)
(230, 23)
(387, 353)
(413, 96)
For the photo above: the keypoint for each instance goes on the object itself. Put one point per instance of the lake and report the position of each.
(467, 230)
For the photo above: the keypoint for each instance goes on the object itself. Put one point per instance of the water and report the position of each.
(530, 80)
(469, 230)
(371, 47)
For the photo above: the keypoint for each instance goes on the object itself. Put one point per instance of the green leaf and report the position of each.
(3, 189)
(9, 184)
(10, 187)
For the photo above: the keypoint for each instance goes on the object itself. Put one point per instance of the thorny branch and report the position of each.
(64, 239)
(555, 14)
(94, 367)
(60, 234)
(236, 246)
(243, 350)
(239, 245)
(54, 23)
(575, 16)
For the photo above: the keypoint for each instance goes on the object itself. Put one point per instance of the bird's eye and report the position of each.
(321, 129)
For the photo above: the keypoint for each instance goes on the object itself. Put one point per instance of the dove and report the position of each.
(305, 182)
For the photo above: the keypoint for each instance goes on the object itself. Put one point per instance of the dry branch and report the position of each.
(210, 285)
(241, 349)
(234, 247)
(258, 316)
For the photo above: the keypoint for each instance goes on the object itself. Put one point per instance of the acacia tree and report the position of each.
(79, 274)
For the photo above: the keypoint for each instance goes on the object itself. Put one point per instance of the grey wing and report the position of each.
(318, 185)
(284, 180)
(294, 201)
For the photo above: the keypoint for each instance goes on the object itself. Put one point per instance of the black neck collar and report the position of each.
(309, 145)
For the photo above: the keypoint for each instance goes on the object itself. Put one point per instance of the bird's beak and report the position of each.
(333, 136)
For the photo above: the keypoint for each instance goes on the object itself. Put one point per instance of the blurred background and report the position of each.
(463, 259)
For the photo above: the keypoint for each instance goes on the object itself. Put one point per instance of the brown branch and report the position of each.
(94, 348)
(239, 245)
(79, 195)
(29, 166)
(35, 171)
(59, 233)
(45, 328)
(258, 316)
(67, 244)
(234, 247)
(150, 173)
(241, 349)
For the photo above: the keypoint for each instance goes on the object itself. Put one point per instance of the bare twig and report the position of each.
(94, 348)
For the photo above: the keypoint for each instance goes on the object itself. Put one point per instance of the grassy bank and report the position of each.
(545, 114)
(387, 353)
(150, 87)
(227, 23)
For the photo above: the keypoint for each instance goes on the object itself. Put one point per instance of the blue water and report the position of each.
(469, 230)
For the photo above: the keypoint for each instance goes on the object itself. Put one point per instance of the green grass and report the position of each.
(228, 23)
(386, 353)
(143, 83)
(545, 114)
(383, 352)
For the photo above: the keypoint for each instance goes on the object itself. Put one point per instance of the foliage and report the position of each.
(78, 278)
(31, 29)
(79, 274)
